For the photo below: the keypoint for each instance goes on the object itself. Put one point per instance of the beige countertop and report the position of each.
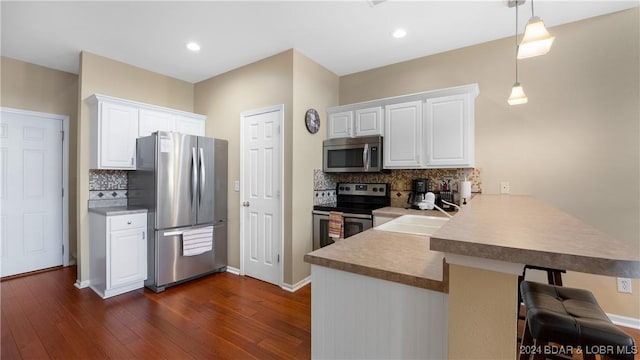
(117, 210)
(402, 258)
(521, 229)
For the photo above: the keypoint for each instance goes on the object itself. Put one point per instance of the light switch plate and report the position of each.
(236, 185)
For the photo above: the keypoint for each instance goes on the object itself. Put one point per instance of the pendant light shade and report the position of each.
(536, 40)
(517, 96)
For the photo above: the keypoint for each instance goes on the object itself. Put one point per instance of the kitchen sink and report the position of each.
(414, 224)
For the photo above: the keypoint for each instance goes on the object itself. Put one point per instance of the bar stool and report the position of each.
(572, 319)
(554, 277)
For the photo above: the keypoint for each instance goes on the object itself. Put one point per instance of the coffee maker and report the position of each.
(419, 188)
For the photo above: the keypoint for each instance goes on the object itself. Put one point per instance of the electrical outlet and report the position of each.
(504, 187)
(624, 285)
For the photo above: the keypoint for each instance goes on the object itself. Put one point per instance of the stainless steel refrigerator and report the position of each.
(182, 181)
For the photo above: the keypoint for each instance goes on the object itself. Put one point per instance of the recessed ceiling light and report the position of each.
(399, 33)
(193, 46)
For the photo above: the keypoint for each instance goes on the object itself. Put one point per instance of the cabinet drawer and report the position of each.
(124, 222)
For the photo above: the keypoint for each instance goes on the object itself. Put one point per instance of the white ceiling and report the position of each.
(344, 36)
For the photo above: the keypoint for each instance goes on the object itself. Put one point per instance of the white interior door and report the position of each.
(261, 194)
(31, 183)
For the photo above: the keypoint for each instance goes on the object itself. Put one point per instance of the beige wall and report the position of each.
(35, 88)
(313, 87)
(108, 77)
(575, 144)
(294, 80)
(265, 83)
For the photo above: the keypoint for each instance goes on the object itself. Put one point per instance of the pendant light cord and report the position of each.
(532, 8)
(516, 57)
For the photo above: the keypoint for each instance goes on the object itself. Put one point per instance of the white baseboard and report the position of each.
(625, 321)
(233, 270)
(296, 286)
(82, 284)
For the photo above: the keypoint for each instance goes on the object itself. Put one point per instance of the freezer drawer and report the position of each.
(171, 266)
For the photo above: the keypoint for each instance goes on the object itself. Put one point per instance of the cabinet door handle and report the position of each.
(143, 235)
(129, 222)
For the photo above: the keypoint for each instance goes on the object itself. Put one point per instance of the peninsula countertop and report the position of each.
(521, 229)
(397, 257)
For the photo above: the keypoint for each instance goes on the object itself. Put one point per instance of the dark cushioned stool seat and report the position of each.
(572, 317)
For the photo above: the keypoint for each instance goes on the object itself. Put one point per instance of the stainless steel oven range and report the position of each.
(356, 202)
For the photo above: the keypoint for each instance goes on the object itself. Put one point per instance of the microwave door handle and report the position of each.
(365, 157)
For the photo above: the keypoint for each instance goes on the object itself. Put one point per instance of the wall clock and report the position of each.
(312, 120)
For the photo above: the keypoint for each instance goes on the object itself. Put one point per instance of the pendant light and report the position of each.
(517, 96)
(536, 40)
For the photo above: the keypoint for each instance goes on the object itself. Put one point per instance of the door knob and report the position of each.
(246, 204)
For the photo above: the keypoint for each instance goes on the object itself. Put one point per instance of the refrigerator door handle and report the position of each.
(194, 175)
(202, 176)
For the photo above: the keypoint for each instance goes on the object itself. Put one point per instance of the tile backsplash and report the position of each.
(324, 184)
(107, 188)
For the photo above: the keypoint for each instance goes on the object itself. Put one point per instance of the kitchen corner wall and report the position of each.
(109, 77)
(288, 78)
(575, 145)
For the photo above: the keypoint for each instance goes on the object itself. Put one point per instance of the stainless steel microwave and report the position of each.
(359, 154)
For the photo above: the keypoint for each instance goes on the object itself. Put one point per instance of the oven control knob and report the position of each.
(347, 188)
(375, 189)
(341, 187)
(381, 189)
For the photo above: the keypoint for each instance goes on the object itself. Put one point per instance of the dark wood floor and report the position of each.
(218, 317)
(222, 316)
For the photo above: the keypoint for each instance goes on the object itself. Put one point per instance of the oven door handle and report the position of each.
(346, 216)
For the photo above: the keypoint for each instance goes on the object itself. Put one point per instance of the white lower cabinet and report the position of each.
(359, 317)
(118, 252)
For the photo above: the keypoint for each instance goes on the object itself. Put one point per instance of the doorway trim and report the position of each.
(65, 171)
(243, 116)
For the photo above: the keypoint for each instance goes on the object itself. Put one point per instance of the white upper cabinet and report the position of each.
(432, 129)
(189, 125)
(449, 131)
(368, 121)
(339, 124)
(354, 122)
(114, 129)
(403, 141)
(151, 121)
(117, 123)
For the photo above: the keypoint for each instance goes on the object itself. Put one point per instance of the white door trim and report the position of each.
(65, 171)
(243, 116)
